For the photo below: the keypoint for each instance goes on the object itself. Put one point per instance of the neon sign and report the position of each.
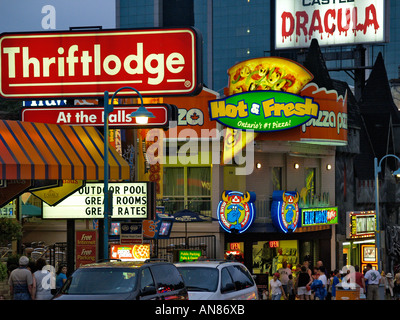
(285, 210)
(319, 216)
(263, 111)
(236, 211)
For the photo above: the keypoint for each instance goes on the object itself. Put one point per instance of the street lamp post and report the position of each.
(377, 170)
(141, 115)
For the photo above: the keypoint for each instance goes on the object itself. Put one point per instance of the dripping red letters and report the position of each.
(363, 21)
(328, 23)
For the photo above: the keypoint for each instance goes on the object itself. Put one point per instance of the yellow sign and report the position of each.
(268, 73)
(52, 196)
(189, 255)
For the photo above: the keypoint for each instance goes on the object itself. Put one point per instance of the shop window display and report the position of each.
(268, 256)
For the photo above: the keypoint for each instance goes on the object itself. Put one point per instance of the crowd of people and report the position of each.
(316, 283)
(32, 280)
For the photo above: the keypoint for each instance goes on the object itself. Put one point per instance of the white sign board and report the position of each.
(129, 201)
(344, 22)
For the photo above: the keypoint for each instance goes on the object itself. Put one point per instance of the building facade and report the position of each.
(239, 30)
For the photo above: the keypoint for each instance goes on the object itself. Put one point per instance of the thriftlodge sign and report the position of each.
(85, 64)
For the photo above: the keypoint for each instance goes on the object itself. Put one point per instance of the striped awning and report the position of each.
(47, 151)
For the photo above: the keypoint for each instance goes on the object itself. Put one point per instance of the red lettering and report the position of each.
(345, 28)
(356, 26)
(370, 21)
(285, 17)
(316, 27)
(327, 22)
(329, 13)
(302, 20)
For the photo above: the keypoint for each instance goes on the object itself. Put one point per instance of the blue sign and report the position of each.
(236, 211)
(285, 210)
(319, 216)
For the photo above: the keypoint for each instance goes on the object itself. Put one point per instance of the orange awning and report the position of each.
(47, 151)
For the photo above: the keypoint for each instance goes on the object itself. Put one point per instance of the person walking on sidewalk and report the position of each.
(319, 288)
(335, 282)
(275, 288)
(303, 282)
(284, 276)
(396, 287)
(21, 281)
(43, 281)
(373, 278)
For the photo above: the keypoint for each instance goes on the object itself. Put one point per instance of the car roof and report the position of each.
(122, 264)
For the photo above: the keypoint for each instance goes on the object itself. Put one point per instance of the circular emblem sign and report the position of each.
(285, 210)
(236, 211)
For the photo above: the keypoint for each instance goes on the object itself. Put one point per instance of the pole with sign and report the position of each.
(141, 114)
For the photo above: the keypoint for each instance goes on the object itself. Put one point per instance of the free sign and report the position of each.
(85, 64)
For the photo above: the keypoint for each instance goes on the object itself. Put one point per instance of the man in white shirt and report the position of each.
(284, 273)
(373, 278)
(322, 276)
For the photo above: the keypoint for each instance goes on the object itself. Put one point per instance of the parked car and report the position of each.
(123, 280)
(218, 280)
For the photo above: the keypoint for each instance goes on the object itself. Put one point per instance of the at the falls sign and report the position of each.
(331, 22)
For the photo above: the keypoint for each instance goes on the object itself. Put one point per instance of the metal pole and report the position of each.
(377, 227)
(108, 108)
(105, 213)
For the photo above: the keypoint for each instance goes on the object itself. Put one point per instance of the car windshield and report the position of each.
(101, 281)
(200, 278)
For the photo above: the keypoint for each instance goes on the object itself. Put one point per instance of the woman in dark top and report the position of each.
(303, 283)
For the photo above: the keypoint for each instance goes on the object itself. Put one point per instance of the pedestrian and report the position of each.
(322, 276)
(303, 282)
(335, 282)
(365, 280)
(360, 279)
(284, 273)
(32, 268)
(389, 285)
(275, 288)
(290, 288)
(21, 281)
(319, 288)
(43, 281)
(396, 287)
(61, 276)
(306, 264)
(329, 286)
(373, 278)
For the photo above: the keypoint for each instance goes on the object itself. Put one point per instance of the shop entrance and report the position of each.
(268, 256)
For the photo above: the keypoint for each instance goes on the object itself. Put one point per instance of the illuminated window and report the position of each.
(187, 187)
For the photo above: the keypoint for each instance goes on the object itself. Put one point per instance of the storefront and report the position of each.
(360, 248)
(263, 248)
(297, 126)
